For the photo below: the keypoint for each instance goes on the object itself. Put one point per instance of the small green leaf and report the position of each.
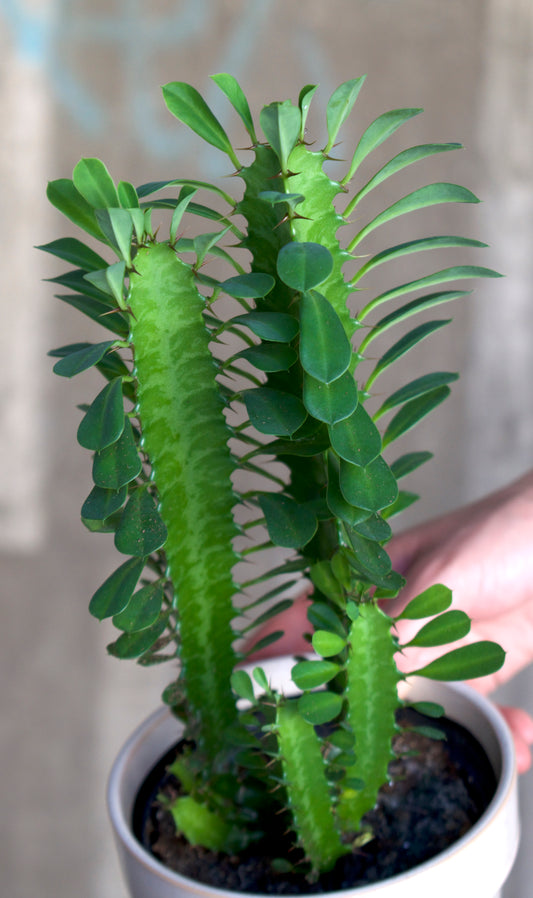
(273, 611)
(273, 197)
(325, 350)
(433, 600)
(132, 645)
(101, 503)
(103, 421)
(465, 663)
(327, 644)
(404, 345)
(142, 610)
(274, 412)
(270, 356)
(122, 225)
(356, 439)
(254, 285)
(261, 678)
(281, 124)
(115, 593)
(376, 133)
(370, 555)
(115, 275)
(235, 94)
(185, 197)
(374, 528)
(303, 266)
(415, 388)
(304, 102)
(92, 179)
(127, 195)
(440, 630)
(141, 530)
(311, 674)
(331, 402)
(413, 412)
(82, 359)
(241, 683)
(119, 463)
(341, 508)
(409, 462)
(428, 732)
(187, 105)
(324, 579)
(289, 524)
(324, 617)
(84, 282)
(68, 200)
(373, 487)
(429, 709)
(279, 327)
(339, 106)
(74, 251)
(320, 707)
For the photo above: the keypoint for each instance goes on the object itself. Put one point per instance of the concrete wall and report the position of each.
(82, 78)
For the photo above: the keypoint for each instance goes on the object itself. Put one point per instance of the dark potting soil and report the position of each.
(437, 791)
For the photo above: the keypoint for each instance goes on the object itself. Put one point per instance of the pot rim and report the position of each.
(501, 754)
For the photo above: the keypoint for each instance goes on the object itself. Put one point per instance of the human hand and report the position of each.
(483, 552)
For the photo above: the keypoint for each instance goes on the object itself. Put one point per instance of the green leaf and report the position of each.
(241, 683)
(413, 412)
(430, 709)
(289, 524)
(421, 304)
(398, 163)
(430, 195)
(99, 311)
(127, 195)
(115, 592)
(83, 282)
(204, 243)
(374, 528)
(356, 439)
(331, 402)
(187, 105)
(325, 350)
(101, 503)
(132, 645)
(409, 462)
(115, 275)
(142, 610)
(270, 357)
(339, 106)
(261, 678)
(273, 611)
(324, 579)
(440, 630)
(414, 388)
(320, 707)
(465, 663)
(74, 251)
(433, 600)
(122, 225)
(304, 102)
(327, 644)
(274, 412)
(373, 487)
(185, 197)
(376, 133)
(303, 266)
(119, 463)
(279, 327)
(63, 195)
(405, 500)
(235, 94)
(414, 246)
(324, 617)
(82, 359)
(404, 345)
(273, 197)
(92, 179)
(369, 555)
(281, 124)
(254, 285)
(311, 674)
(141, 530)
(103, 421)
(340, 507)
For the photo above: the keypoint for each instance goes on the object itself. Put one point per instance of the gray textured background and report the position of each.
(81, 77)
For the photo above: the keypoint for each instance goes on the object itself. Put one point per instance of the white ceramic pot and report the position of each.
(476, 866)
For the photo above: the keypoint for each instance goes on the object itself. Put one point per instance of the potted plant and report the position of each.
(215, 423)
